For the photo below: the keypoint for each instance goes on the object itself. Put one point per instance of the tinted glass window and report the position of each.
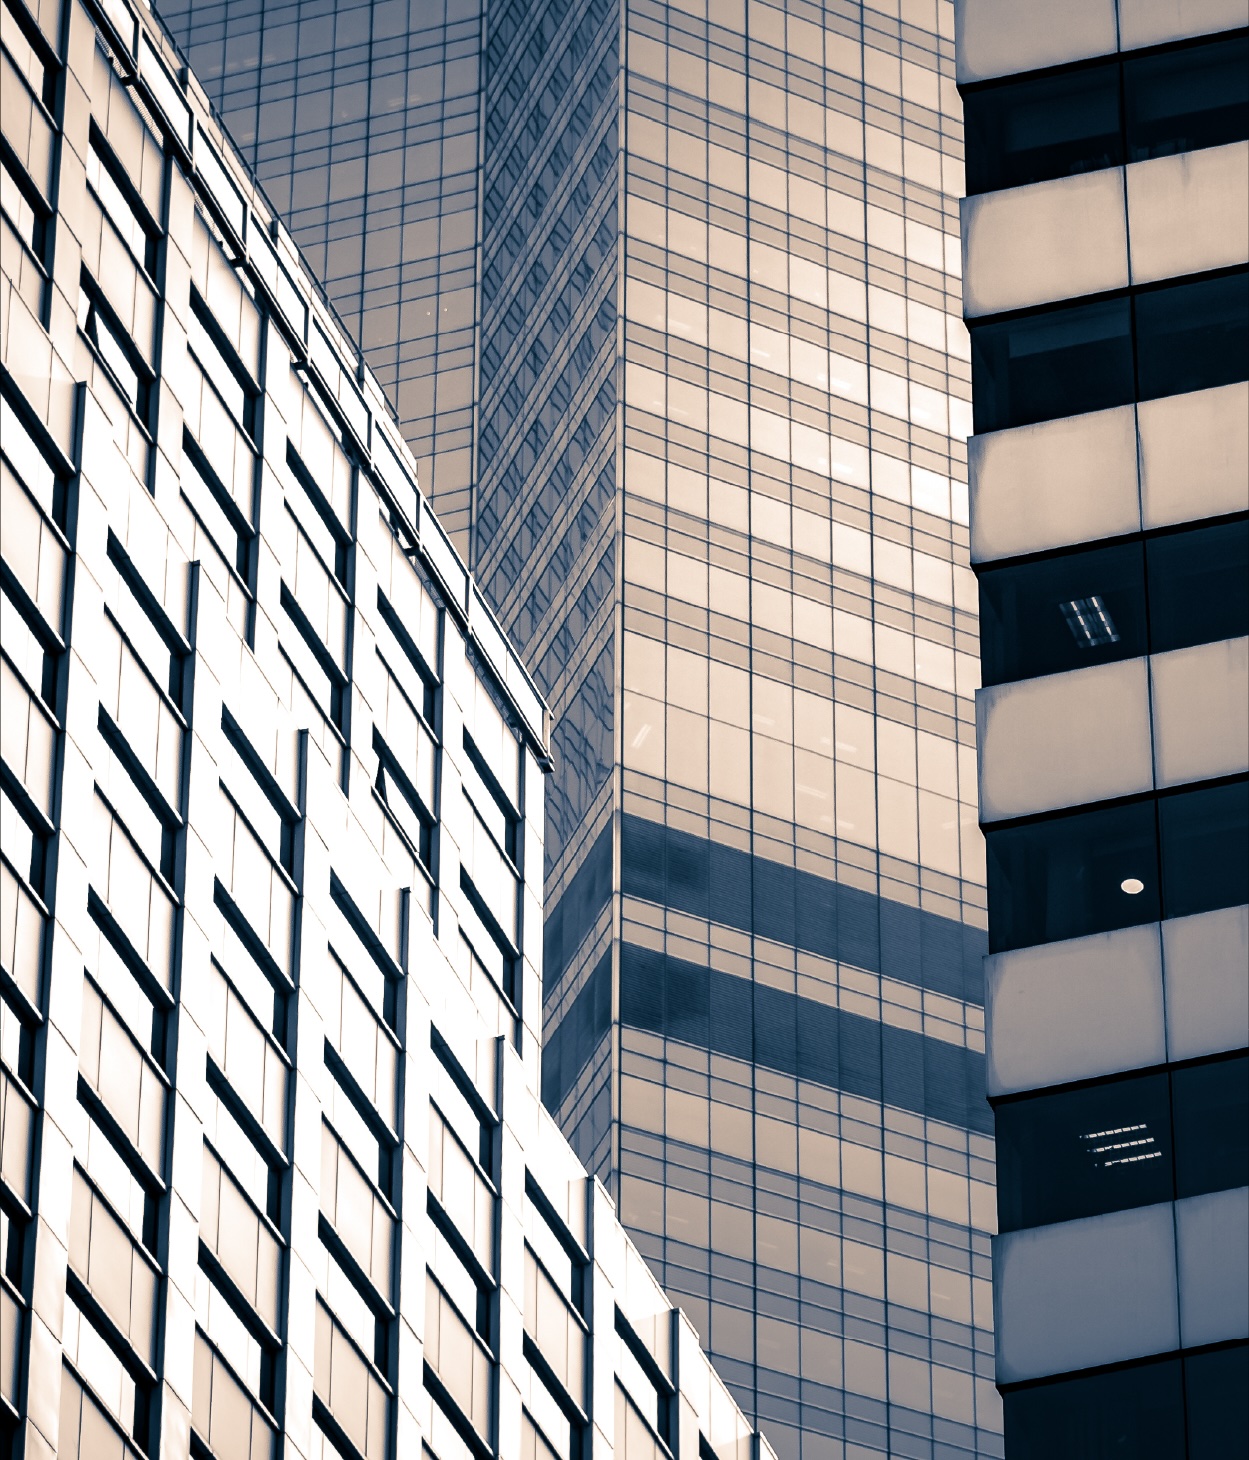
(1042, 127)
(1087, 872)
(1136, 1412)
(1059, 363)
(1192, 336)
(1211, 1104)
(1198, 586)
(1074, 1153)
(1062, 613)
(1205, 849)
(1180, 100)
(1217, 1385)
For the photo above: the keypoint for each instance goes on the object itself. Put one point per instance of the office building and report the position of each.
(717, 496)
(275, 1178)
(1106, 237)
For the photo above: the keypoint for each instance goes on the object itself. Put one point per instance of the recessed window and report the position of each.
(1205, 849)
(1192, 336)
(1198, 583)
(1211, 1112)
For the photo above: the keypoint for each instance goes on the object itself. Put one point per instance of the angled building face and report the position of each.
(275, 1178)
(1107, 293)
(718, 498)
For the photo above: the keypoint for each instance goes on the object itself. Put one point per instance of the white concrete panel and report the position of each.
(1201, 711)
(1051, 240)
(1064, 740)
(1154, 22)
(1212, 1235)
(1059, 482)
(1000, 37)
(1194, 455)
(1076, 1294)
(1073, 1010)
(1204, 958)
(1209, 190)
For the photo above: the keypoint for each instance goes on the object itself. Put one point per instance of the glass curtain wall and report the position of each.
(361, 120)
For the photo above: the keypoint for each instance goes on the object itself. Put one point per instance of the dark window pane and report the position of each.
(1128, 1414)
(1198, 586)
(1211, 1104)
(1027, 130)
(1075, 1153)
(1060, 363)
(1205, 849)
(1180, 100)
(1063, 613)
(1192, 336)
(1087, 872)
(1217, 1390)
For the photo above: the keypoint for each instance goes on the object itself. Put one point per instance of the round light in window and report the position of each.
(1132, 885)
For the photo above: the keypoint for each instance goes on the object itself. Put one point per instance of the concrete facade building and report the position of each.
(1106, 242)
(275, 1178)
(709, 336)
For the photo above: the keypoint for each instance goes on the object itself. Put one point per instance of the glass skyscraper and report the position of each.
(689, 278)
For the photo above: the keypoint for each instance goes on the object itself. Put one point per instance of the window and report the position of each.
(118, 201)
(1058, 362)
(1211, 1110)
(25, 48)
(1122, 1143)
(1188, 97)
(643, 1394)
(1096, 605)
(1061, 613)
(1191, 336)
(23, 208)
(1030, 128)
(1075, 1153)
(1137, 1411)
(1197, 585)
(1087, 872)
(1073, 358)
(222, 366)
(1083, 872)
(113, 347)
(1205, 849)
(1144, 1410)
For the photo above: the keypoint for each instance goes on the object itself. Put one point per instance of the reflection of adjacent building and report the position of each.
(274, 1173)
(718, 497)
(1106, 240)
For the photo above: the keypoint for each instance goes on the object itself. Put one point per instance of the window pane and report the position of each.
(1184, 99)
(1137, 1412)
(1063, 613)
(1042, 127)
(1192, 336)
(1198, 586)
(1059, 363)
(1205, 849)
(1075, 1153)
(1211, 1104)
(1217, 1386)
(1077, 874)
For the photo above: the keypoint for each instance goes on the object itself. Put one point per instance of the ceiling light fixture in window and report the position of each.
(1090, 622)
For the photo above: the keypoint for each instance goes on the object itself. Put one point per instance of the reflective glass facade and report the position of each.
(1107, 296)
(275, 1176)
(719, 502)
(361, 123)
